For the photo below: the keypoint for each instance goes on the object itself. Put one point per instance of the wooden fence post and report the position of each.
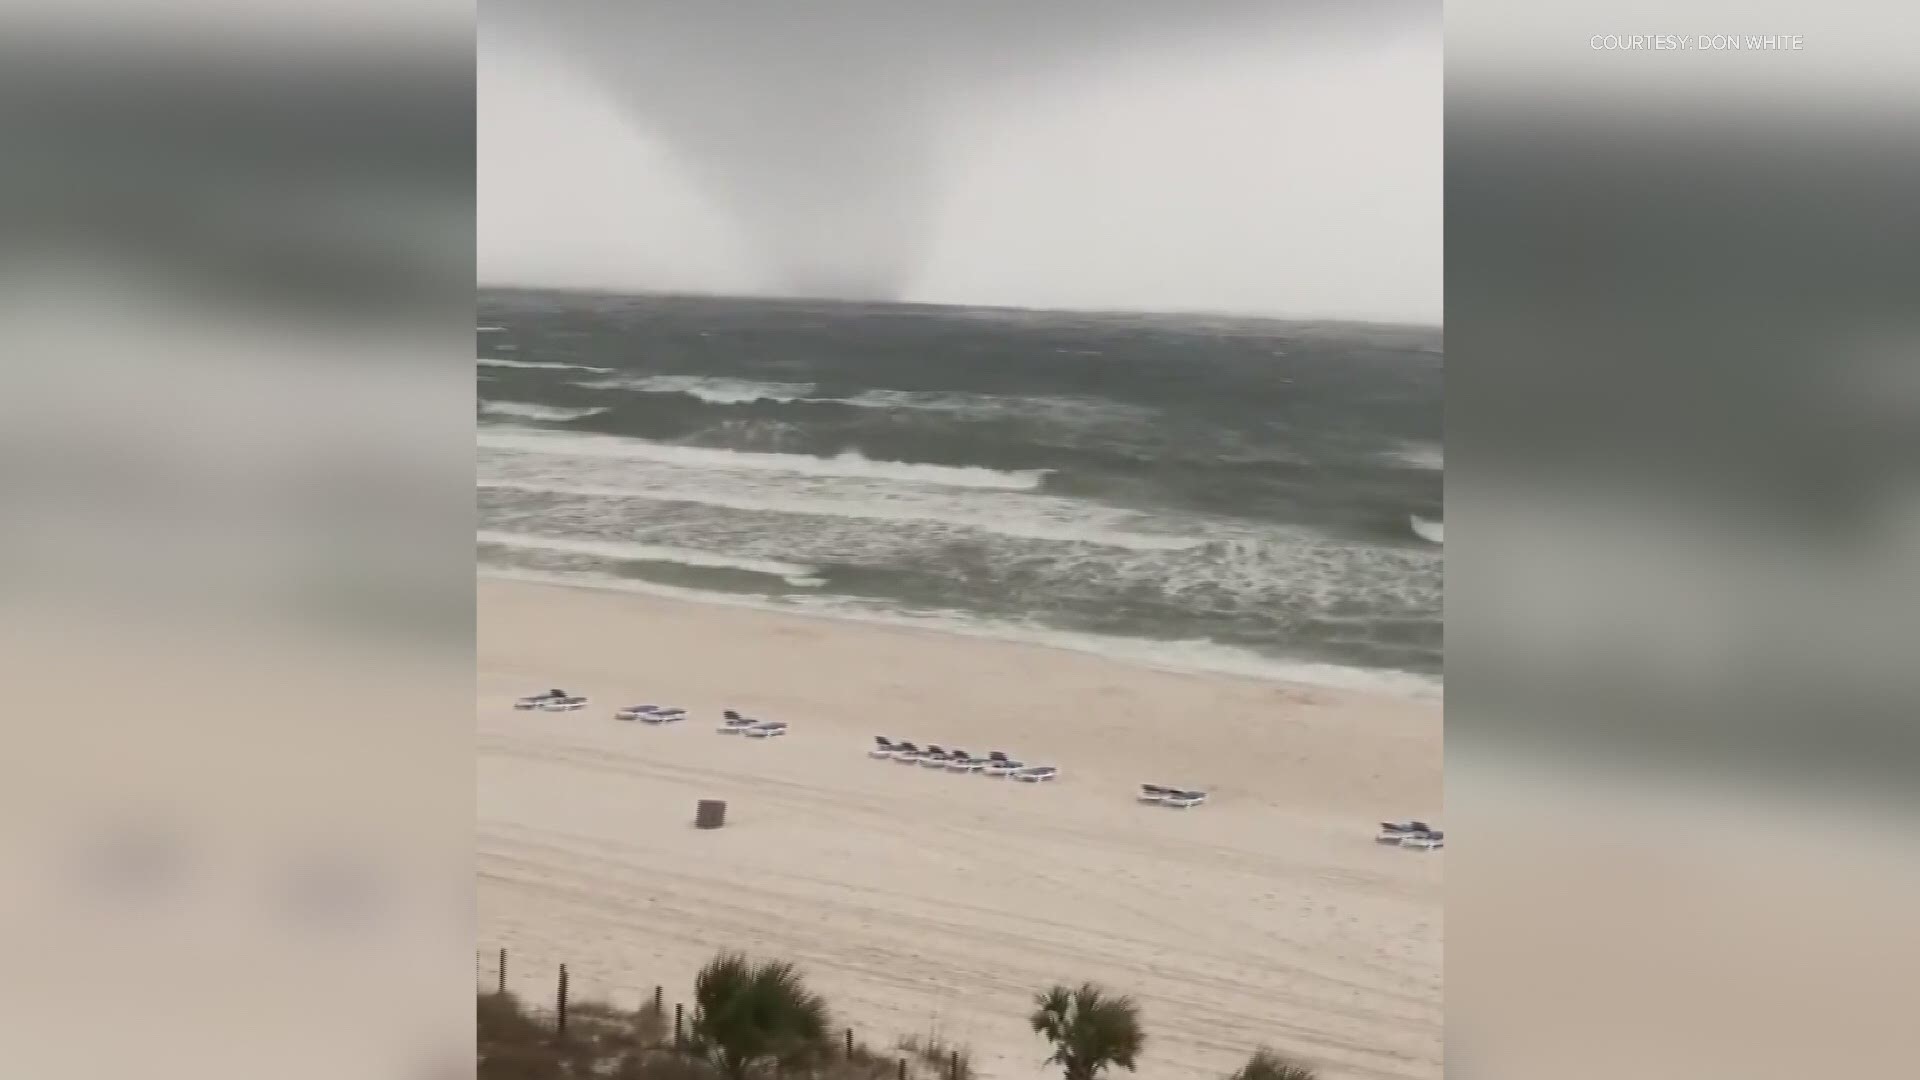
(560, 1002)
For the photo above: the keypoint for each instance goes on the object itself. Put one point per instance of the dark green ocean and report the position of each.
(1197, 492)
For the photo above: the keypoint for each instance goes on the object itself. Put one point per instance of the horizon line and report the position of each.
(1215, 313)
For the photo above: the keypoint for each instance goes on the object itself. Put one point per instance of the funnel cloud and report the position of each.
(860, 150)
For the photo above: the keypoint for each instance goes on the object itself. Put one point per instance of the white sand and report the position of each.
(923, 901)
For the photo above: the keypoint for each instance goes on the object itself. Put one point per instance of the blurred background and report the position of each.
(235, 457)
(1682, 600)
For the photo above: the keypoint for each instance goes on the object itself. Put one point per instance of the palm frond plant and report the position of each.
(1090, 1029)
(748, 1016)
(1267, 1065)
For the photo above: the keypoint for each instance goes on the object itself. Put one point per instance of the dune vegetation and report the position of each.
(758, 1020)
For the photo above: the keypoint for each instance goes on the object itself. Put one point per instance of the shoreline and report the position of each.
(1237, 662)
(919, 900)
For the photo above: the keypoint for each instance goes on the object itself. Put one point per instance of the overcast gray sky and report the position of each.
(1263, 167)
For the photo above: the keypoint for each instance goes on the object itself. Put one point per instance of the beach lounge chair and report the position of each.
(1423, 837)
(1000, 766)
(936, 758)
(734, 723)
(767, 730)
(563, 704)
(1392, 832)
(883, 747)
(650, 713)
(1183, 800)
(1036, 774)
(534, 701)
(1154, 793)
(963, 762)
(906, 753)
(1412, 826)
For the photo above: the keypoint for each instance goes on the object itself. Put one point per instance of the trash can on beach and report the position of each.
(711, 814)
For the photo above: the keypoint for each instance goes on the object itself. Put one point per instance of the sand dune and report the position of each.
(925, 901)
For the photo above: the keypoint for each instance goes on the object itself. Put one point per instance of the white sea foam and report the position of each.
(850, 463)
(1432, 531)
(1203, 657)
(717, 391)
(1421, 455)
(1212, 567)
(523, 410)
(1016, 515)
(491, 329)
(548, 365)
(986, 405)
(792, 573)
(726, 391)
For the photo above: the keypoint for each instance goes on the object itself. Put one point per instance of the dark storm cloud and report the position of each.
(819, 129)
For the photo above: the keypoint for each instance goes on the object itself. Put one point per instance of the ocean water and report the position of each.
(1200, 493)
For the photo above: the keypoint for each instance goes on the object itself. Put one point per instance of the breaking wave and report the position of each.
(1421, 456)
(848, 463)
(791, 573)
(523, 410)
(1013, 515)
(712, 390)
(494, 361)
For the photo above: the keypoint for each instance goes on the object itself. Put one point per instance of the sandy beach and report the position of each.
(921, 901)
